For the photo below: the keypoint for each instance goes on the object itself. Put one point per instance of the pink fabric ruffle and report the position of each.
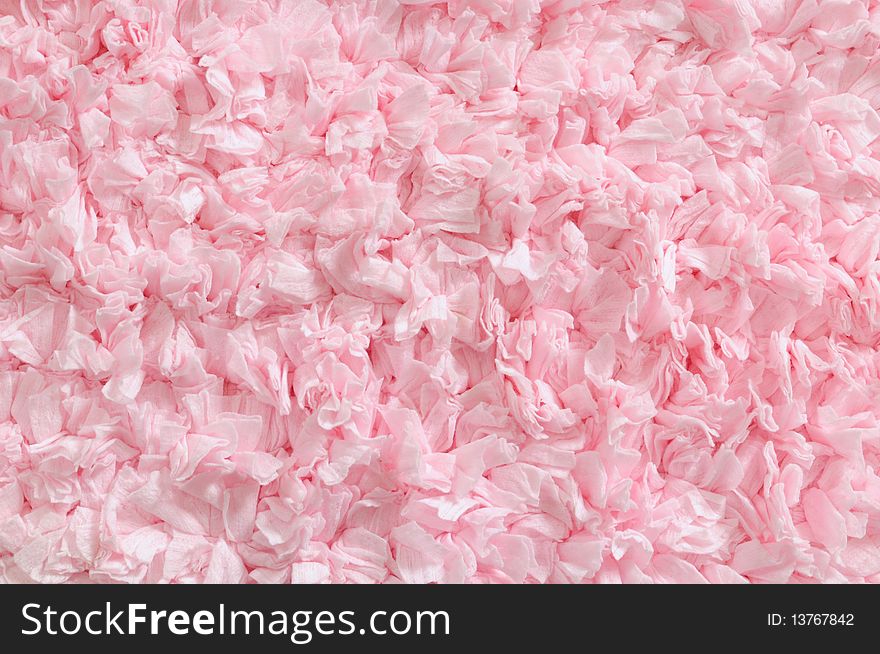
(466, 291)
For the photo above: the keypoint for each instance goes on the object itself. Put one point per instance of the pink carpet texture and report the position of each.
(476, 291)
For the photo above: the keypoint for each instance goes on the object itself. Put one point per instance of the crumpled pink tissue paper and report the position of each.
(545, 291)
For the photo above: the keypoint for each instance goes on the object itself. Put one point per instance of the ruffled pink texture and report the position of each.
(466, 291)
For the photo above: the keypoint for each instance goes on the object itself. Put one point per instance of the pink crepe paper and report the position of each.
(465, 291)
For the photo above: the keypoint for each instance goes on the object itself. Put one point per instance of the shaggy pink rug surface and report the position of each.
(477, 290)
